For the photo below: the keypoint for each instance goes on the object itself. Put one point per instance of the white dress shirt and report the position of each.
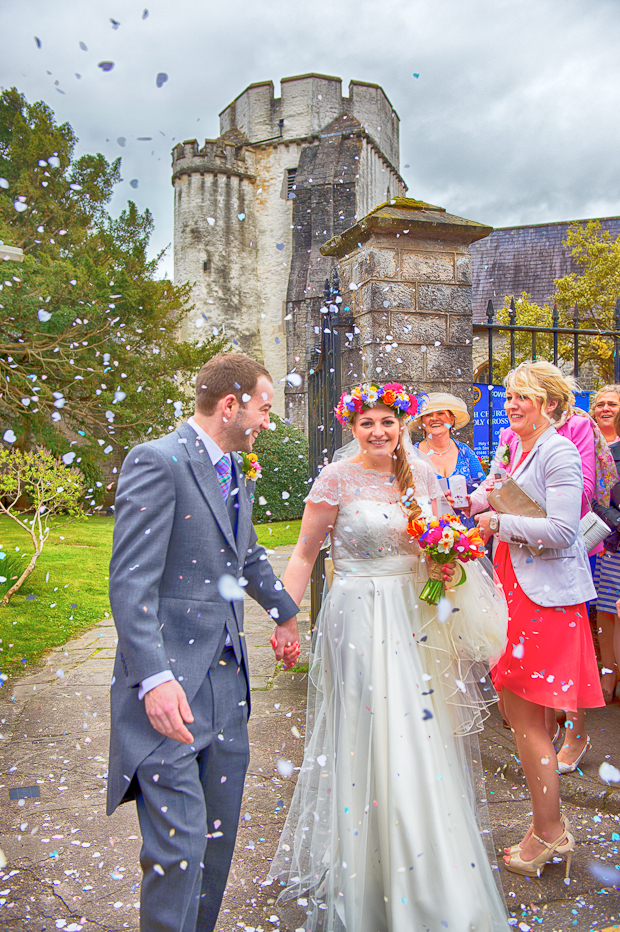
(215, 455)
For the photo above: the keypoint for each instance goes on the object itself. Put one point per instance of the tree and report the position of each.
(51, 488)
(283, 484)
(89, 348)
(594, 290)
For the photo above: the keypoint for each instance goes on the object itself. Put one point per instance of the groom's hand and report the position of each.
(167, 708)
(285, 641)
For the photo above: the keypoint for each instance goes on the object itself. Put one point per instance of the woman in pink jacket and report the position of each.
(598, 478)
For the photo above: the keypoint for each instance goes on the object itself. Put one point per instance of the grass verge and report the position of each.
(66, 594)
(68, 591)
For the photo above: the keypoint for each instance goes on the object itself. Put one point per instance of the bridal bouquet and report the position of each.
(444, 540)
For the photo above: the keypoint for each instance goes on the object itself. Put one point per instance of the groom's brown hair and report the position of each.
(226, 374)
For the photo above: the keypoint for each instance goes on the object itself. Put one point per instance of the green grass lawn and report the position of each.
(68, 590)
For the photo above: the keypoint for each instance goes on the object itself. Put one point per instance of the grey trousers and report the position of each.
(188, 806)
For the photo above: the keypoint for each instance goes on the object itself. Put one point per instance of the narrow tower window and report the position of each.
(290, 180)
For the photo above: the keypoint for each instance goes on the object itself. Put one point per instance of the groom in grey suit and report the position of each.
(180, 694)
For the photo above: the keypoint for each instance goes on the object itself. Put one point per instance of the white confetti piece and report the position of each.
(229, 588)
(9, 437)
(285, 768)
(609, 773)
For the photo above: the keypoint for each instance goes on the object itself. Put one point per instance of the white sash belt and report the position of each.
(383, 566)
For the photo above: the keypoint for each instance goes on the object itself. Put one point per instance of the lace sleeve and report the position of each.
(326, 487)
(426, 483)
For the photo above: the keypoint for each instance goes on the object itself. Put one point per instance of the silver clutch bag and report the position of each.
(594, 530)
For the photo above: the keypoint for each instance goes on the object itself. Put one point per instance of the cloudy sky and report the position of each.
(512, 120)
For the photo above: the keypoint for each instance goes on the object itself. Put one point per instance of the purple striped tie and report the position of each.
(223, 469)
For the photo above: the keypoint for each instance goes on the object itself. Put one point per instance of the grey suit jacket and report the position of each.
(560, 573)
(173, 541)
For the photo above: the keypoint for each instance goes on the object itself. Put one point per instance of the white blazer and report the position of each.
(560, 573)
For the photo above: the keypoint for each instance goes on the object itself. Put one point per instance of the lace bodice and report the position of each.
(371, 522)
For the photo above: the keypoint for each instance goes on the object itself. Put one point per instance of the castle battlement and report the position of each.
(216, 157)
(252, 208)
(307, 104)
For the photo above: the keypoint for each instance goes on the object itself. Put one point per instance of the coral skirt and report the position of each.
(550, 658)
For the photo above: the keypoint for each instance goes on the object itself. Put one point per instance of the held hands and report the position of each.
(167, 708)
(285, 642)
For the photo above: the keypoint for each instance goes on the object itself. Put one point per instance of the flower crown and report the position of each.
(368, 395)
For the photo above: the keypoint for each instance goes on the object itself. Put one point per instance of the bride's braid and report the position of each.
(405, 480)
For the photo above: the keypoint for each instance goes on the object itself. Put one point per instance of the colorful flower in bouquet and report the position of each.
(251, 467)
(444, 540)
(367, 395)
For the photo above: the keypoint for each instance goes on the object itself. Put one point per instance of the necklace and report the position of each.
(434, 452)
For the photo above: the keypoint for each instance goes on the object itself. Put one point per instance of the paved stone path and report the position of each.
(70, 867)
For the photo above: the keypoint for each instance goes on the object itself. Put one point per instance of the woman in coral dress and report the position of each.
(542, 563)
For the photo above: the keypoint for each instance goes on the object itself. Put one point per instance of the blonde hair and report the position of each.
(543, 382)
(404, 477)
(603, 391)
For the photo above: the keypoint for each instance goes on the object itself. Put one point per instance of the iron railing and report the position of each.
(576, 330)
(324, 390)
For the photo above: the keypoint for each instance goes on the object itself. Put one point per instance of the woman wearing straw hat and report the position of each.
(441, 414)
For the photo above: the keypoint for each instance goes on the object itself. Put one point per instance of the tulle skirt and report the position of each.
(387, 830)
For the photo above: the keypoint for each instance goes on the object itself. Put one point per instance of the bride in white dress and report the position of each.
(383, 833)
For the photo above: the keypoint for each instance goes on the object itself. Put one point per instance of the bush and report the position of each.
(283, 485)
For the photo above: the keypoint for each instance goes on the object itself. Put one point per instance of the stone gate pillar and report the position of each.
(405, 272)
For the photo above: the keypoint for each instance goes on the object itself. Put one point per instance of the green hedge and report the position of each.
(283, 455)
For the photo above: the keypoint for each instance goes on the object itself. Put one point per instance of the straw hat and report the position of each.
(442, 401)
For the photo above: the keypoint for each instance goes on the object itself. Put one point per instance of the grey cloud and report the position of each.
(512, 120)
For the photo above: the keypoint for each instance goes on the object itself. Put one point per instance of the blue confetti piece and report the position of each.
(161, 79)
(83, 46)
(38, 41)
(134, 183)
(427, 715)
(106, 65)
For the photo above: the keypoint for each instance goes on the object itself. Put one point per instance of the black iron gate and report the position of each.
(576, 331)
(324, 390)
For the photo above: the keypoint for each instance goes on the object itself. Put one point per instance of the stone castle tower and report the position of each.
(252, 208)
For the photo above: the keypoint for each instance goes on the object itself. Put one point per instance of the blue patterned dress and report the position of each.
(467, 465)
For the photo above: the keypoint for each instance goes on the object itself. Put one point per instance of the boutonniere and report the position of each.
(503, 454)
(251, 467)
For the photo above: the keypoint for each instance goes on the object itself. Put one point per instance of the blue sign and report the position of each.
(496, 394)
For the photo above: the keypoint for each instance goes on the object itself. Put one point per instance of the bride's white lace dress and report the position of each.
(382, 833)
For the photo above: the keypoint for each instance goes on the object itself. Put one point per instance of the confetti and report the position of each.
(106, 65)
(285, 768)
(229, 588)
(161, 79)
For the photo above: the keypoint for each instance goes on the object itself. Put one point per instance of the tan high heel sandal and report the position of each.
(514, 849)
(562, 847)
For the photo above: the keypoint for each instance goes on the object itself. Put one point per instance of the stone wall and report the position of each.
(213, 248)
(253, 207)
(405, 272)
(337, 177)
